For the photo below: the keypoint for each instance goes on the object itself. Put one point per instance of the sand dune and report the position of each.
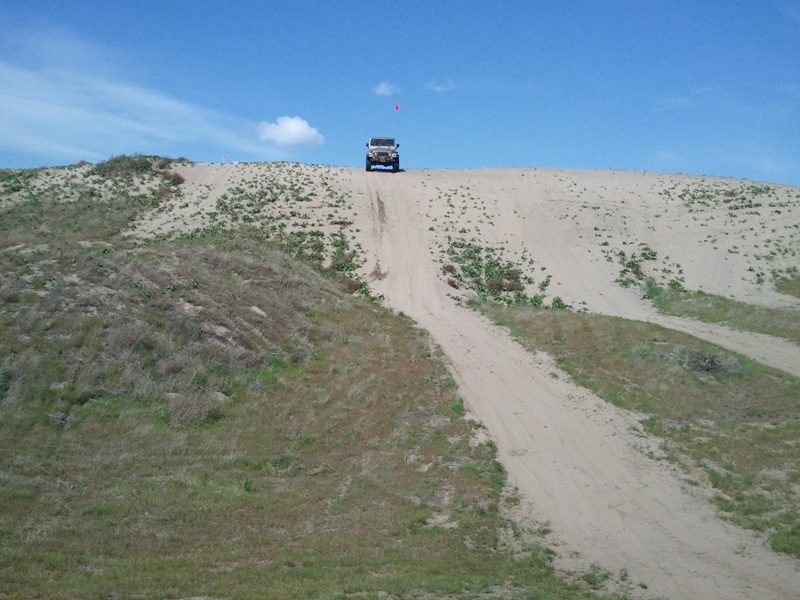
(573, 457)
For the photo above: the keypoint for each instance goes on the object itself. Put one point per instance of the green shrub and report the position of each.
(124, 165)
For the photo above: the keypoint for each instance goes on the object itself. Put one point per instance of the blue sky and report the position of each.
(691, 86)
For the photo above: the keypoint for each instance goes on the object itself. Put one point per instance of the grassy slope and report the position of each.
(729, 421)
(208, 416)
(784, 323)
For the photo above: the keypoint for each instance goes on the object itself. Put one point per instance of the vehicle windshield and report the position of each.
(382, 142)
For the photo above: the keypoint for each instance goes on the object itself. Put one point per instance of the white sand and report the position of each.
(578, 462)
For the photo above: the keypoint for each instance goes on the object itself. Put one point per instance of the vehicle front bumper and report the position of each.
(383, 158)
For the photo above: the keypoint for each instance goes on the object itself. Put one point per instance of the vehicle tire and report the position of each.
(396, 166)
(369, 165)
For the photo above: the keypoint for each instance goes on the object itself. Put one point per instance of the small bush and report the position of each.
(710, 363)
(122, 166)
(173, 177)
(652, 290)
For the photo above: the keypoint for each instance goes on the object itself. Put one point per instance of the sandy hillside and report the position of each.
(578, 462)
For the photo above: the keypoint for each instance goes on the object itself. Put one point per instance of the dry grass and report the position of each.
(209, 417)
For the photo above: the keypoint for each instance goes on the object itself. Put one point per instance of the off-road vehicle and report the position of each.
(383, 151)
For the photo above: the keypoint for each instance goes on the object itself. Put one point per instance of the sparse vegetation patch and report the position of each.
(716, 412)
(484, 271)
(782, 323)
(788, 281)
(124, 166)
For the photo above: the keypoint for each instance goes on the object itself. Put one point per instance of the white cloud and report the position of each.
(71, 115)
(289, 131)
(437, 87)
(53, 47)
(58, 111)
(385, 89)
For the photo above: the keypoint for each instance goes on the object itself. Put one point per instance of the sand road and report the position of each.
(577, 461)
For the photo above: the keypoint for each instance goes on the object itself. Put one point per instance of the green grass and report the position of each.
(788, 282)
(731, 418)
(207, 415)
(784, 323)
(485, 272)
